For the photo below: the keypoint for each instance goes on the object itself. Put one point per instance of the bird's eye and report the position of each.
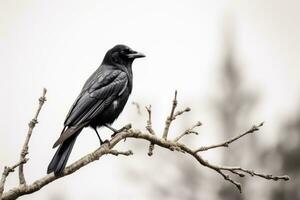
(125, 51)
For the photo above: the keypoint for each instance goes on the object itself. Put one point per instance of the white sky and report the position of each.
(58, 45)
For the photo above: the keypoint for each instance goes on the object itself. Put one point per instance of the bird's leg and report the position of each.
(111, 128)
(115, 130)
(100, 140)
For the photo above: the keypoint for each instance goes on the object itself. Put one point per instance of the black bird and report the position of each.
(99, 103)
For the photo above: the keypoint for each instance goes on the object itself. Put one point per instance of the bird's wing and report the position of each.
(96, 76)
(92, 101)
(100, 93)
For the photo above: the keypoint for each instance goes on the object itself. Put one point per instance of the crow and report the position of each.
(99, 103)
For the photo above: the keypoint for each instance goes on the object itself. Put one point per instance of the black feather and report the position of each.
(61, 156)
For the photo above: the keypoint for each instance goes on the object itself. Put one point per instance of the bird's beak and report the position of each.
(136, 54)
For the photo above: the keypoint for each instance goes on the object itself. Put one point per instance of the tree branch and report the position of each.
(31, 126)
(227, 142)
(188, 131)
(150, 136)
(150, 129)
(170, 118)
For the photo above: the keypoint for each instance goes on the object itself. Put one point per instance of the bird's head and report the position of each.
(121, 54)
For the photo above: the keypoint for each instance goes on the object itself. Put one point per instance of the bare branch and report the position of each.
(227, 142)
(170, 118)
(31, 125)
(187, 109)
(106, 149)
(150, 129)
(188, 131)
(238, 170)
(149, 121)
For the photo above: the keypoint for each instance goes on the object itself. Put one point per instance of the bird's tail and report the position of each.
(61, 156)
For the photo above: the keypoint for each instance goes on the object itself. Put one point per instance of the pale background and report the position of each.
(58, 44)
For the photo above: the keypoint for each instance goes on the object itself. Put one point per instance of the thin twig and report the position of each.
(188, 131)
(170, 118)
(31, 125)
(187, 109)
(238, 173)
(150, 129)
(149, 121)
(253, 173)
(227, 142)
